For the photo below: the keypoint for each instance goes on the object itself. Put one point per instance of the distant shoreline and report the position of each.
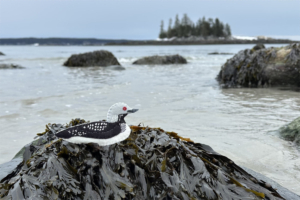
(108, 42)
(205, 42)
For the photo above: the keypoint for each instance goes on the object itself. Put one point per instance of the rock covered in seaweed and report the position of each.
(219, 53)
(96, 58)
(161, 60)
(150, 164)
(291, 132)
(2, 54)
(262, 66)
(258, 47)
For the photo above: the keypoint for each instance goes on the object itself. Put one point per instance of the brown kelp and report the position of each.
(150, 164)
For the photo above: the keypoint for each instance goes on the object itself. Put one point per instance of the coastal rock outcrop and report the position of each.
(150, 164)
(2, 54)
(161, 60)
(291, 132)
(96, 58)
(219, 53)
(262, 66)
(10, 66)
(258, 47)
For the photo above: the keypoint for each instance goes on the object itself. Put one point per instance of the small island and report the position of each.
(201, 30)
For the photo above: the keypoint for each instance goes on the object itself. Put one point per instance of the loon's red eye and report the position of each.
(124, 108)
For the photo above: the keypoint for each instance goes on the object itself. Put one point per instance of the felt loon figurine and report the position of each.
(103, 133)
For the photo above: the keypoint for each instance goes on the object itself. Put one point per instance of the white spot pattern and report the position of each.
(94, 126)
(102, 142)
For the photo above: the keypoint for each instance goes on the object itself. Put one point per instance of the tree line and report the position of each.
(203, 27)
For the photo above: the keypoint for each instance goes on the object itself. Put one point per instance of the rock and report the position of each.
(10, 66)
(263, 67)
(258, 47)
(285, 193)
(9, 167)
(2, 54)
(161, 60)
(157, 164)
(291, 132)
(219, 53)
(96, 58)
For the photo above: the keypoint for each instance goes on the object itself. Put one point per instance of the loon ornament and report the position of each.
(103, 133)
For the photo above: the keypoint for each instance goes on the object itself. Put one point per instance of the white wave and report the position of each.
(127, 59)
(244, 37)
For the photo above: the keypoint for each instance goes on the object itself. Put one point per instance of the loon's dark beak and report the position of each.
(132, 110)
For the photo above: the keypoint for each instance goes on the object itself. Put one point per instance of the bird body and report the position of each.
(101, 141)
(103, 133)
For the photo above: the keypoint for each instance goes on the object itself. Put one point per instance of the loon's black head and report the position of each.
(118, 112)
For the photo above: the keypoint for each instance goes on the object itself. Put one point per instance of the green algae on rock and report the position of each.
(96, 58)
(291, 132)
(150, 164)
(262, 66)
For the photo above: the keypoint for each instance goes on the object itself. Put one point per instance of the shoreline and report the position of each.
(106, 42)
(205, 42)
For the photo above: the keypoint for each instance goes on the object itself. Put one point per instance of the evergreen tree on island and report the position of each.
(202, 28)
(162, 33)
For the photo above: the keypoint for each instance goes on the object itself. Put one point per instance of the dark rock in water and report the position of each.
(219, 53)
(10, 66)
(96, 58)
(291, 132)
(258, 47)
(263, 67)
(2, 54)
(150, 164)
(161, 60)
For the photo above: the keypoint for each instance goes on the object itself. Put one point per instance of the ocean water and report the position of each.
(238, 123)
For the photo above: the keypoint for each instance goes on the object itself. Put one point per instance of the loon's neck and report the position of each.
(116, 118)
(121, 118)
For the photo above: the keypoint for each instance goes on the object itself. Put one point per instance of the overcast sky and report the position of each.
(140, 19)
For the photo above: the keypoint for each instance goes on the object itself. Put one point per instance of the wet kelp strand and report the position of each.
(150, 164)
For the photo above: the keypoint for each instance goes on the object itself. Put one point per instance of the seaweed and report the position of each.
(96, 58)
(150, 164)
(291, 132)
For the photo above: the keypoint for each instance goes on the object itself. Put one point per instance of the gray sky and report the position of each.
(140, 19)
